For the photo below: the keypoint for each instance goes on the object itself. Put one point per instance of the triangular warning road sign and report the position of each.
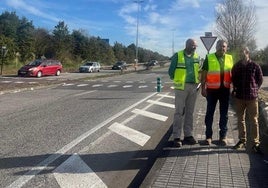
(208, 42)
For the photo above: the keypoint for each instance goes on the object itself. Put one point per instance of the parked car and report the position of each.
(90, 67)
(120, 65)
(41, 67)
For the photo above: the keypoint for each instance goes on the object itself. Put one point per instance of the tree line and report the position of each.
(25, 42)
(236, 22)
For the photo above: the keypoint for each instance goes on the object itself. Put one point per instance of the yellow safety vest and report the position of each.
(180, 72)
(213, 79)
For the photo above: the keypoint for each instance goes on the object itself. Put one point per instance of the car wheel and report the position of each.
(58, 73)
(39, 74)
(90, 71)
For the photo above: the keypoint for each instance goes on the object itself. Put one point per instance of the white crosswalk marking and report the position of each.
(161, 103)
(82, 85)
(150, 114)
(19, 82)
(130, 134)
(67, 84)
(97, 85)
(109, 86)
(143, 86)
(74, 172)
(6, 81)
(127, 86)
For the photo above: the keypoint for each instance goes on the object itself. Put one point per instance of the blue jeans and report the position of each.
(213, 96)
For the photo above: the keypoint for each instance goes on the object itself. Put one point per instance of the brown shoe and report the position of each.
(240, 145)
(223, 141)
(208, 141)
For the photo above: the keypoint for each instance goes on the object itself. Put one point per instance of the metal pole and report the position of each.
(3, 54)
(137, 32)
(173, 42)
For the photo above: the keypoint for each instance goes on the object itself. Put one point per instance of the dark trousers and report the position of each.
(213, 96)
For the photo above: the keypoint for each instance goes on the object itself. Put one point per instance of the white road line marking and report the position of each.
(167, 96)
(19, 82)
(84, 93)
(161, 103)
(150, 114)
(6, 81)
(67, 84)
(74, 172)
(130, 134)
(82, 85)
(42, 165)
(143, 86)
(112, 86)
(127, 86)
(97, 85)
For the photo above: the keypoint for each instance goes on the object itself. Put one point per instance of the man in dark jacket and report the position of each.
(247, 78)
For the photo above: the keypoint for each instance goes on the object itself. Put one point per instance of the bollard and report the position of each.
(159, 85)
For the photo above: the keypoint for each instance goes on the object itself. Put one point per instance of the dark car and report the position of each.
(120, 65)
(153, 63)
(41, 67)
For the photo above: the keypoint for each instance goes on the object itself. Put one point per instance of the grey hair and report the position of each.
(220, 42)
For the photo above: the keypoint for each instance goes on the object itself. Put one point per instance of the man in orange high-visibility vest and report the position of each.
(216, 80)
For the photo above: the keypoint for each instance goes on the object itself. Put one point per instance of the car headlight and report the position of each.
(32, 69)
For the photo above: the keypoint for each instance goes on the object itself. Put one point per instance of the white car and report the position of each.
(90, 67)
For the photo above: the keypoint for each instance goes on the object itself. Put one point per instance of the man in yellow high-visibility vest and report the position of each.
(184, 71)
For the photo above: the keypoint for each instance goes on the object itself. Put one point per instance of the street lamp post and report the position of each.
(137, 32)
(3, 55)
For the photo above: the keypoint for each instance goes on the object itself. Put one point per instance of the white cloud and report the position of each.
(22, 5)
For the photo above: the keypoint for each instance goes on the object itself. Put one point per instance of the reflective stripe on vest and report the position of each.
(213, 80)
(180, 72)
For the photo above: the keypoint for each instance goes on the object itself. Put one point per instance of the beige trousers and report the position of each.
(184, 109)
(249, 107)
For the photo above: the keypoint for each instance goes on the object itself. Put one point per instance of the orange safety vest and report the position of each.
(213, 79)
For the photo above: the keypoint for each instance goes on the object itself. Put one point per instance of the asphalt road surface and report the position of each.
(102, 132)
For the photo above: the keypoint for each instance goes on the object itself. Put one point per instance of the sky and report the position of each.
(163, 25)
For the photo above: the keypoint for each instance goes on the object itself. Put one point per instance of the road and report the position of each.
(102, 132)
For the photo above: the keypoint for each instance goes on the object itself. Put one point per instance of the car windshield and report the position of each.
(119, 63)
(35, 63)
(88, 64)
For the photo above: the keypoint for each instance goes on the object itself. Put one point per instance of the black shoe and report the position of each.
(189, 140)
(240, 145)
(256, 148)
(177, 142)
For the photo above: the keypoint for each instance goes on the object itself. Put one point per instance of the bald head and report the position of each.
(190, 46)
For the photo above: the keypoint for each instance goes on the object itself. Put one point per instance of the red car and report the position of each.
(41, 68)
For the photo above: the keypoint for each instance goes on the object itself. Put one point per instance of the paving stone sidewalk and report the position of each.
(209, 166)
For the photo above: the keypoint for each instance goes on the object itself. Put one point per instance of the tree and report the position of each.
(42, 43)
(62, 40)
(25, 39)
(236, 23)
